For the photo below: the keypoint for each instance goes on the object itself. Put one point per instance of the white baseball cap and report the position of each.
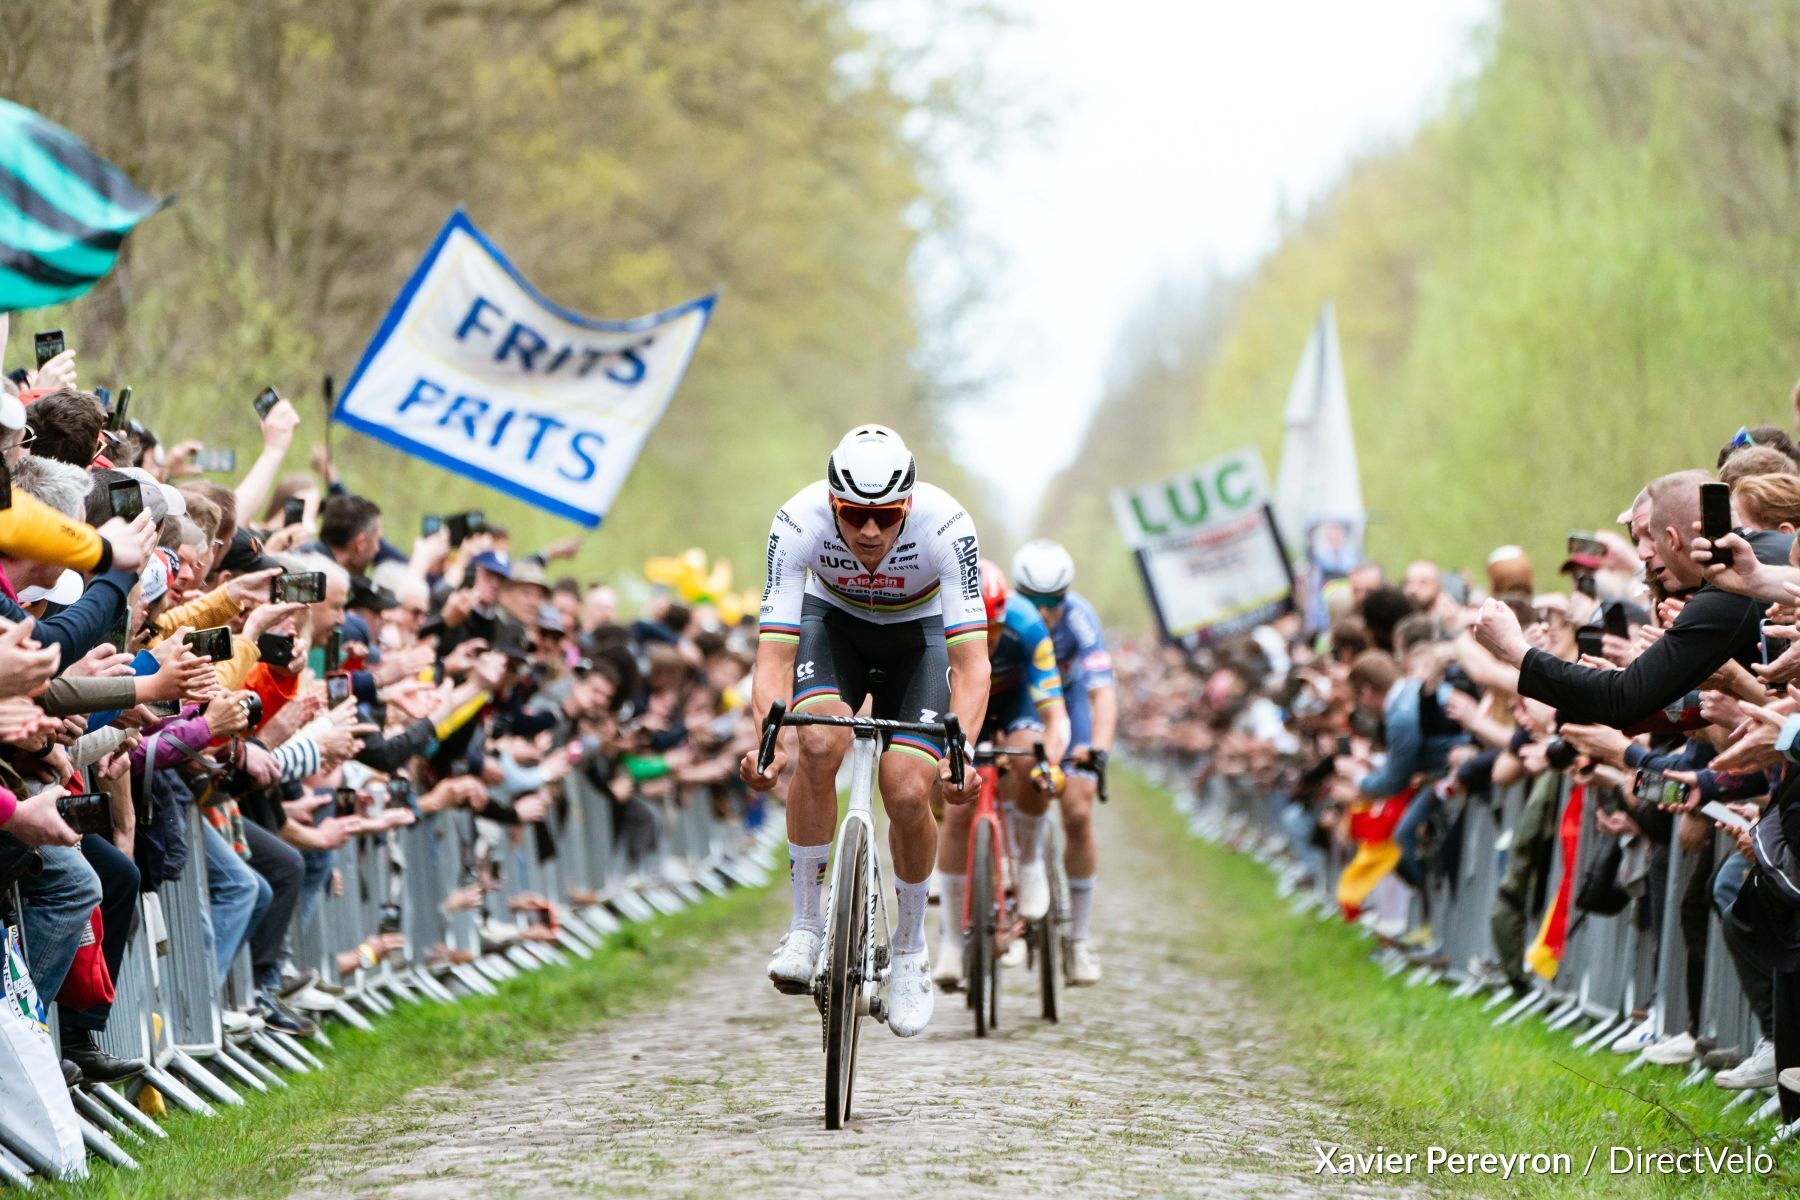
(66, 591)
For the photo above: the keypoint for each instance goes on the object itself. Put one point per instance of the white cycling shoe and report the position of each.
(1034, 891)
(1083, 967)
(796, 958)
(949, 973)
(910, 996)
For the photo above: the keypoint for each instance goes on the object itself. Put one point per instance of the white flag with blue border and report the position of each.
(475, 371)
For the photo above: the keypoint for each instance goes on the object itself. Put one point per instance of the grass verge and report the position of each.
(262, 1149)
(1412, 1068)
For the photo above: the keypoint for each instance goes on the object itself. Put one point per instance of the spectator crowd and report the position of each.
(263, 648)
(1642, 700)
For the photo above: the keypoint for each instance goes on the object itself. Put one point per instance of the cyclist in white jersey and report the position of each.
(873, 592)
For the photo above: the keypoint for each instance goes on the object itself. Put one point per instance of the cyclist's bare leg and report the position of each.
(1080, 858)
(812, 805)
(812, 813)
(906, 783)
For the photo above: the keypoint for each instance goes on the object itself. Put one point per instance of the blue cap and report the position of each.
(493, 560)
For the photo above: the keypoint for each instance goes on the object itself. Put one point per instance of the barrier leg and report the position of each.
(12, 1176)
(184, 1065)
(97, 1114)
(248, 1063)
(128, 1112)
(294, 1047)
(275, 1052)
(223, 1064)
(101, 1146)
(177, 1092)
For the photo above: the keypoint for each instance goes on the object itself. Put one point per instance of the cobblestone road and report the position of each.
(1158, 1082)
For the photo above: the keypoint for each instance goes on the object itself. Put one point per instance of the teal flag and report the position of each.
(64, 212)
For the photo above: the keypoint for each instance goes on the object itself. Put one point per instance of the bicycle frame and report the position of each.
(989, 811)
(865, 750)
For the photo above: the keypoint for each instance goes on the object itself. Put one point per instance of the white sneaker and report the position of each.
(1672, 1051)
(235, 1022)
(1084, 964)
(1636, 1039)
(1757, 1071)
(1015, 953)
(949, 973)
(910, 996)
(1790, 1079)
(1034, 891)
(796, 959)
(311, 999)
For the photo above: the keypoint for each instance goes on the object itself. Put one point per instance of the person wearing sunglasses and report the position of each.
(873, 593)
(1043, 572)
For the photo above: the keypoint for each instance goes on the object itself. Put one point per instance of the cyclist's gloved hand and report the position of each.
(1097, 760)
(971, 779)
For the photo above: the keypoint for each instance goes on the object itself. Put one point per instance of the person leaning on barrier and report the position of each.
(1715, 625)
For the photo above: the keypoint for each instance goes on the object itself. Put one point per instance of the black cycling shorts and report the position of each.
(906, 668)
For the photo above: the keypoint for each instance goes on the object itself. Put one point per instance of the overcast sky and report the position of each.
(1177, 131)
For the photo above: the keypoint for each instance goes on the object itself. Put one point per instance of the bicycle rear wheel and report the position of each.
(983, 965)
(1045, 935)
(843, 979)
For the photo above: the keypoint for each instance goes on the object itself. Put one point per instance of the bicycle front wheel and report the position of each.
(983, 967)
(843, 980)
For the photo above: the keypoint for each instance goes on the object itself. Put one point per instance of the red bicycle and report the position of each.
(990, 914)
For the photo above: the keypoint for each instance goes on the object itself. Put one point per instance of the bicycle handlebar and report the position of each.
(950, 730)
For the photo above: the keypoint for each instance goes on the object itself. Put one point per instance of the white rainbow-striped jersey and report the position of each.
(933, 569)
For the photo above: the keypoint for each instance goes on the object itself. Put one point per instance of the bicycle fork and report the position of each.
(872, 969)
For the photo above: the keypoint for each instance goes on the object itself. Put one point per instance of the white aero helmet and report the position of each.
(871, 466)
(1043, 568)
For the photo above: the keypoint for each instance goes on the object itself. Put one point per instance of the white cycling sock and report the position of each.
(1081, 902)
(806, 879)
(1028, 836)
(909, 922)
(950, 906)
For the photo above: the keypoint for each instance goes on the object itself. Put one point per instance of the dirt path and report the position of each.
(1155, 1083)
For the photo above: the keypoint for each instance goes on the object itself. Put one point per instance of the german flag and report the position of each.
(64, 212)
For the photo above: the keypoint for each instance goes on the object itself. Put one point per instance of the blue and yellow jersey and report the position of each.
(1023, 654)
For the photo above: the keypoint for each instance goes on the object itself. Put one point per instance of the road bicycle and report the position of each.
(853, 962)
(991, 921)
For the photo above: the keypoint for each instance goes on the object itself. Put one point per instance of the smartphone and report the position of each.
(299, 587)
(345, 802)
(5, 485)
(429, 524)
(334, 651)
(458, 525)
(104, 395)
(48, 345)
(476, 520)
(399, 792)
(337, 689)
(266, 400)
(1586, 545)
(253, 708)
(126, 497)
(276, 648)
(1343, 746)
(1723, 815)
(86, 812)
(1762, 638)
(1673, 794)
(1715, 517)
(1613, 620)
(214, 643)
(115, 420)
(293, 511)
(220, 461)
(1588, 640)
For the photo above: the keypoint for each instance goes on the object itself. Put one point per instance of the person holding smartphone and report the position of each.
(1715, 626)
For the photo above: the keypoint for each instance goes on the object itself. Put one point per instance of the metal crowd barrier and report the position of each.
(577, 880)
(1615, 971)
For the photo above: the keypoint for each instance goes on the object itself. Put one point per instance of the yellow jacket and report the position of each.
(32, 529)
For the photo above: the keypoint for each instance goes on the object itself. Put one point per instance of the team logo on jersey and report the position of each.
(1044, 658)
(774, 557)
(781, 515)
(968, 557)
(832, 563)
(954, 518)
(868, 582)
